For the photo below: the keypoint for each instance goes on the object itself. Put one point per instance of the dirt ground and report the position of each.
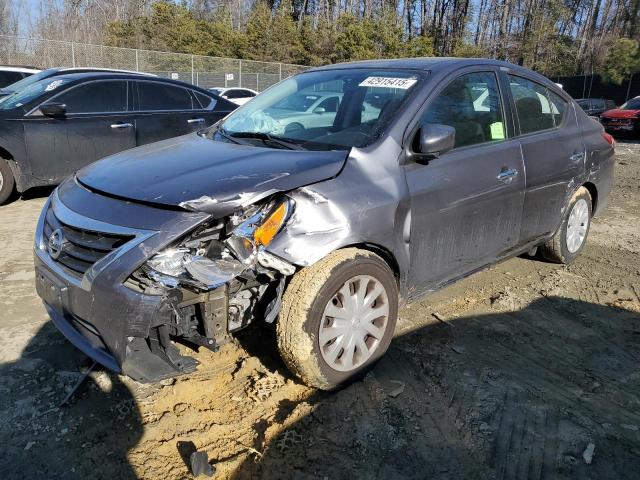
(528, 370)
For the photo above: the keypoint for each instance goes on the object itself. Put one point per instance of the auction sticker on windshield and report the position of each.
(389, 82)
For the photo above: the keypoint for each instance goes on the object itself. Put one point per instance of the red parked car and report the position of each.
(625, 119)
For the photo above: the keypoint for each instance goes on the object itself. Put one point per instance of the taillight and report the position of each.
(608, 138)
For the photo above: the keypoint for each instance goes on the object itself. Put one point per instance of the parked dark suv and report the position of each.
(59, 124)
(431, 170)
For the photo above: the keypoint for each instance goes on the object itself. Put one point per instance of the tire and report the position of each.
(7, 182)
(303, 315)
(563, 246)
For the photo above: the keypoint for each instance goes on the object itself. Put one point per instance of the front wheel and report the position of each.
(338, 317)
(7, 182)
(571, 237)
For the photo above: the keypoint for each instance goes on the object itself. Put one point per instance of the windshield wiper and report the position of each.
(223, 133)
(266, 137)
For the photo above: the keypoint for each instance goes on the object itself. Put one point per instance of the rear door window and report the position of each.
(471, 104)
(532, 105)
(109, 96)
(156, 96)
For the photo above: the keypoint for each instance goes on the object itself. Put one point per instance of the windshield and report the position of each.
(20, 84)
(325, 110)
(633, 104)
(31, 92)
(216, 91)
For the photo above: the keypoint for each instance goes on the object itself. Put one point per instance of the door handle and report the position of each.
(120, 125)
(195, 120)
(577, 157)
(508, 175)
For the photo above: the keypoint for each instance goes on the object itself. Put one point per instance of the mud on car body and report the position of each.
(420, 180)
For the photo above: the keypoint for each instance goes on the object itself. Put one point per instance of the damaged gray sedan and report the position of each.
(430, 170)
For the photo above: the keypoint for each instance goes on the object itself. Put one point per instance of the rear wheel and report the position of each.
(338, 318)
(7, 182)
(571, 237)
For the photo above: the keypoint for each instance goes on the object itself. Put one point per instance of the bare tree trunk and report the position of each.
(502, 33)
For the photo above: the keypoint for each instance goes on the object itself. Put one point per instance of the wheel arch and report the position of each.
(4, 153)
(384, 253)
(593, 191)
(13, 166)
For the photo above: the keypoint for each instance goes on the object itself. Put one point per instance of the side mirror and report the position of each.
(432, 140)
(319, 110)
(54, 110)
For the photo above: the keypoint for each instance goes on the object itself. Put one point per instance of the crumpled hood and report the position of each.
(200, 174)
(618, 113)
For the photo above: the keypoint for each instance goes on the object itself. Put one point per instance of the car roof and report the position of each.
(99, 69)
(434, 65)
(418, 63)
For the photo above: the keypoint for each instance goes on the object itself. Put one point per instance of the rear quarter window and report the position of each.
(558, 107)
(206, 102)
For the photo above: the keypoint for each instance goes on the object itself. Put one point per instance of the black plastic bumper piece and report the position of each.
(145, 366)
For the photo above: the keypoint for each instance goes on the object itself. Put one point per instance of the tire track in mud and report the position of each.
(526, 446)
(526, 429)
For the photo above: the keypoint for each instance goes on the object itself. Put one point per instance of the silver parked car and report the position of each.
(426, 171)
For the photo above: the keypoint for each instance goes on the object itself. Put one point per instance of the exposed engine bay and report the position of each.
(215, 282)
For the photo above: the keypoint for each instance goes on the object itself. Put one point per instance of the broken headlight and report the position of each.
(213, 262)
(170, 262)
(258, 230)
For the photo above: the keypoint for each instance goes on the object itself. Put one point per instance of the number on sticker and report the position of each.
(388, 82)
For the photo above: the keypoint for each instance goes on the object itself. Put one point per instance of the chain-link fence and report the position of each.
(200, 70)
